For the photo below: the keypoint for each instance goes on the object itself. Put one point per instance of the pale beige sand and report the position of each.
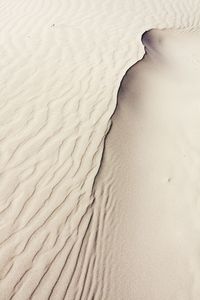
(61, 65)
(152, 154)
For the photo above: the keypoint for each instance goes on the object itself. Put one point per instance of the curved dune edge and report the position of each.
(62, 63)
(149, 179)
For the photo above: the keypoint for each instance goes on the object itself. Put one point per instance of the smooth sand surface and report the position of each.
(79, 220)
(152, 151)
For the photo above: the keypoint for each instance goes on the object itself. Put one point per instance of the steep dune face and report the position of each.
(61, 66)
(152, 155)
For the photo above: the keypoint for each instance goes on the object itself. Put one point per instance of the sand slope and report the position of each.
(152, 156)
(61, 66)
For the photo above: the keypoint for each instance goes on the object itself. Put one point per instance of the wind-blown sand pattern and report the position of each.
(61, 67)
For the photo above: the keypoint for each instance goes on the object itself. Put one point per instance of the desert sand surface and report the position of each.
(88, 210)
(152, 157)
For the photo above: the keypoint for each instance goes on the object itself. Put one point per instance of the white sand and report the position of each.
(153, 154)
(75, 224)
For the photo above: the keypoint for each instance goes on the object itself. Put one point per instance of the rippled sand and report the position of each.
(81, 219)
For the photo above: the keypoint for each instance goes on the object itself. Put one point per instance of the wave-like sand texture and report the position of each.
(61, 66)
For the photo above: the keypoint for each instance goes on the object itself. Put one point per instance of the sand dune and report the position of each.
(152, 156)
(61, 67)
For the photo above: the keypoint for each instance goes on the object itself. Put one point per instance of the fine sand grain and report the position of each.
(79, 220)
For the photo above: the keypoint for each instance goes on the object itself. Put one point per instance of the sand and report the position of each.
(152, 155)
(89, 210)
